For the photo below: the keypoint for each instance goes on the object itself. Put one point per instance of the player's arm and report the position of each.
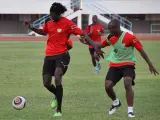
(94, 45)
(146, 58)
(136, 43)
(39, 31)
(100, 45)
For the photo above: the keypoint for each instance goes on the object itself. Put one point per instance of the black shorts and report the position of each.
(52, 62)
(91, 51)
(116, 73)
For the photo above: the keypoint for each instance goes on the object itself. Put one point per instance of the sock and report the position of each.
(59, 95)
(116, 102)
(130, 109)
(52, 89)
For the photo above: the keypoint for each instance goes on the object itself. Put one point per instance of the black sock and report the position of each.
(59, 95)
(52, 89)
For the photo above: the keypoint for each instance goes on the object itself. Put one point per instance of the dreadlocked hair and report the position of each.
(58, 8)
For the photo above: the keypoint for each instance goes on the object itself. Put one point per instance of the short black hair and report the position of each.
(95, 16)
(58, 8)
(115, 22)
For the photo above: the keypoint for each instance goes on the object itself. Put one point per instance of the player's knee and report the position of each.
(127, 86)
(58, 75)
(108, 85)
(127, 83)
(58, 78)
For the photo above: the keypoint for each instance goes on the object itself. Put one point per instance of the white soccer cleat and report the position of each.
(96, 70)
(131, 115)
(112, 111)
(114, 108)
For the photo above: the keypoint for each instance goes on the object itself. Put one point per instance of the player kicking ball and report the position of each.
(122, 64)
(57, 57)
(95, 31)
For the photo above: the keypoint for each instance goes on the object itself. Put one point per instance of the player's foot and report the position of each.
(131, 115)
(96, 70)
(54, 103)
(114, 108)
(58, 114)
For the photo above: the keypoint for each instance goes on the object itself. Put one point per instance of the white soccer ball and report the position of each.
(19, 102)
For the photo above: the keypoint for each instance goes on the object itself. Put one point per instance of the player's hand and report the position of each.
(153, 70)
(99, 52)
(96, 56)
(82, 39)
(27, 25)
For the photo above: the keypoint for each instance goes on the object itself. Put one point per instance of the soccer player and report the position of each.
(95, 31)
(122, 64)
(57, 57)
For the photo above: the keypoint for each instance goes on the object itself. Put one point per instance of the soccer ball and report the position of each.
(19, 102)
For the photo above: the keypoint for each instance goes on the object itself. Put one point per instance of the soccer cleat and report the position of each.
(96, 70)
(131, 115)
(58, 114)
(114, 108)
(54, 104)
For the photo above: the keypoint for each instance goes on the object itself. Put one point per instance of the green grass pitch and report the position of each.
(84, 94)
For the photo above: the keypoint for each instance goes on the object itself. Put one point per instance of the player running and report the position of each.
(122, 64)
(57, 57)
(95, 31)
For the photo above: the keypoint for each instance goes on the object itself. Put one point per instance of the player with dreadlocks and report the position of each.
(57, 57)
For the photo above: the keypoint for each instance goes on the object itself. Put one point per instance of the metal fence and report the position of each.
(155, 28)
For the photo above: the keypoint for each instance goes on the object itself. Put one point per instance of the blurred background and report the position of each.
(22, 54)
(139, 16)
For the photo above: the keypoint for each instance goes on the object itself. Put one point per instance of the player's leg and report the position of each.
(129, 76)
(47, 83)
(59, 89)
(97, 58)
(91, 50)
(61, 68)
(113, 76)
(109, 89)
(96, 66)
(48, 72)
(47, 75)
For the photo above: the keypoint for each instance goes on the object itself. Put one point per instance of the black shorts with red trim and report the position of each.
(116, 73)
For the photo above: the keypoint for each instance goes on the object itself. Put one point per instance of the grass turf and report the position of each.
(84, 95)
